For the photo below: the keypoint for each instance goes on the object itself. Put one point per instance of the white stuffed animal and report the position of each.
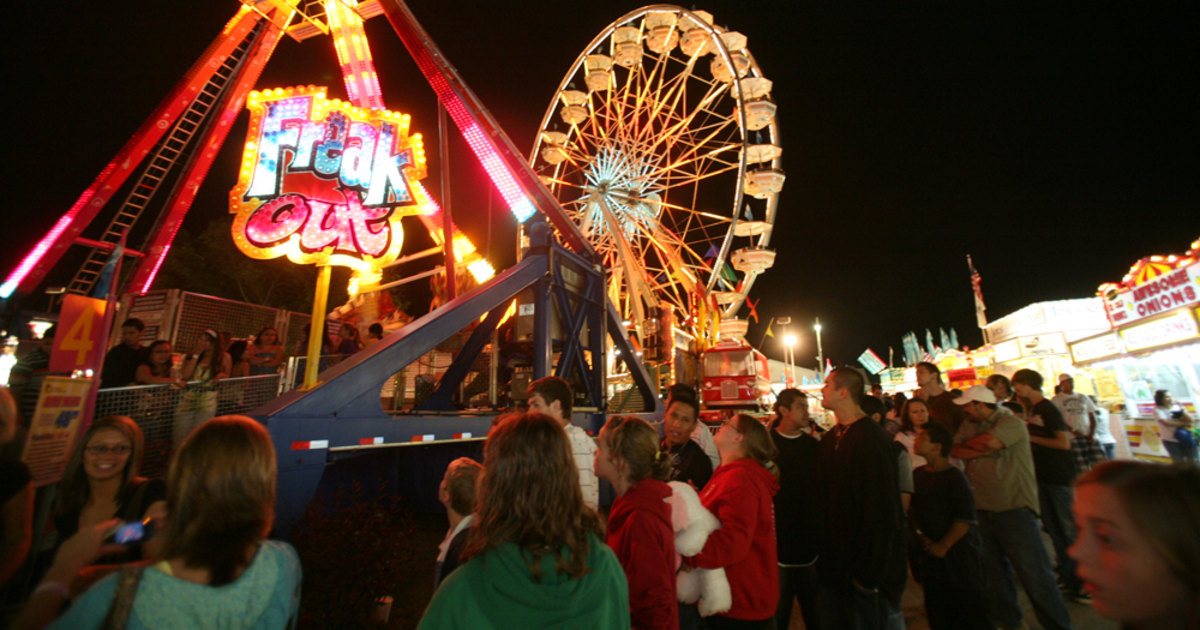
(707, 588)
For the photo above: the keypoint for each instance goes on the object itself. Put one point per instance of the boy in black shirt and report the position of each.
(943, 517)
(1050, 442)
(797, 520)
(688, 461)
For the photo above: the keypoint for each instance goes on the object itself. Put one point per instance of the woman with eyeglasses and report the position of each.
(215, 568)
(159, 368)
(101, 483)
(741, 496)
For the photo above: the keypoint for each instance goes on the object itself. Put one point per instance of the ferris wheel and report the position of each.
(661, 144)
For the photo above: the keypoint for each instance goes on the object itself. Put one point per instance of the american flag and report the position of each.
(980, 309)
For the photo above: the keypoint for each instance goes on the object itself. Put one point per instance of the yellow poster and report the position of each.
(54, 427)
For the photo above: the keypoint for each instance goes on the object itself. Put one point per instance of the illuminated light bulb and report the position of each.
(481, 270)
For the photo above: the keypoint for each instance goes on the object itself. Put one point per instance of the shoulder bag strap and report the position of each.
(122, 604)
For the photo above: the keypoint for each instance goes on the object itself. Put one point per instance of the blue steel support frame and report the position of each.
(576, 309)
(443, 397)
(342, 415)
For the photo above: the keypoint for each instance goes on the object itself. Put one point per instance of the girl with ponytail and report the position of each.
(639, 525)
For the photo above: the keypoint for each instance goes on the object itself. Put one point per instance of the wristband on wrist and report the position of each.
(52, 586)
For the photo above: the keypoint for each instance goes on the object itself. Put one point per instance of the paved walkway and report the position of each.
(1083, 617)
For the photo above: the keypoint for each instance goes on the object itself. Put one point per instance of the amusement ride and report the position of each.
(661, 144)
(648, 199)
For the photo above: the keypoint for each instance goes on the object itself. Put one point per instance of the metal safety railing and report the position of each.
(166, 414)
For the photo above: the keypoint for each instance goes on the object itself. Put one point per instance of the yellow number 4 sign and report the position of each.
(82, 319)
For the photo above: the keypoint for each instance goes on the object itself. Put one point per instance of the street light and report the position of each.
(789, 340)
(820, 353)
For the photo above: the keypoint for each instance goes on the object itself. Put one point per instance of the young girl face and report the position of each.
(606, 468)
(728, 440)
(106, 454)
(161, 354)
(1128, 580)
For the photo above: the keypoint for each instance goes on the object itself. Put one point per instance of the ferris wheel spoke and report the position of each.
(670, 95)
(710, 145)
(680, 271)
(677, 177)
(688, 117)
(637, 283)
(664, 106)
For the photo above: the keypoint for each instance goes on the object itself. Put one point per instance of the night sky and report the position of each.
(1055, 144)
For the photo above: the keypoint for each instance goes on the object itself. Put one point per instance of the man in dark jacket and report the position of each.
(862, 566)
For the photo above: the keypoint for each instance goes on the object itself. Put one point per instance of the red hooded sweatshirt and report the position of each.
(740, 496)
(640, 533)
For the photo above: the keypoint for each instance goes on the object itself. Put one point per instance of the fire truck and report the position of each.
(734, 378)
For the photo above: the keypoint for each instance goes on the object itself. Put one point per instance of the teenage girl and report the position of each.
(639, 525)
(740, 495)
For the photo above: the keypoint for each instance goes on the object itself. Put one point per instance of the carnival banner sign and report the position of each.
(324, 182)
(1176, 288)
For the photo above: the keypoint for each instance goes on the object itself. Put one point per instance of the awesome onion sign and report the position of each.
(324, 182)
(1176, 288)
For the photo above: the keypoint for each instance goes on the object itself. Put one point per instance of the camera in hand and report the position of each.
(133, 533)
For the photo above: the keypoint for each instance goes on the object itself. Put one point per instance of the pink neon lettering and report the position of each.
(273, 222)
(348, 228)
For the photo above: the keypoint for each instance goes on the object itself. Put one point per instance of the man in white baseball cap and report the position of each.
(994, 444)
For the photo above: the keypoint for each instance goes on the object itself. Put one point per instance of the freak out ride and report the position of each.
(619, 235)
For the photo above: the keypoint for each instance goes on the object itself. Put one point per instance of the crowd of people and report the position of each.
(193, 377)
(732, 530)
(825, 519)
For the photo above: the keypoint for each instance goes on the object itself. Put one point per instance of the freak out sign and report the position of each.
(324, 182)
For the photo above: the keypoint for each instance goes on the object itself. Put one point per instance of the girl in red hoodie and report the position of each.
(740, 495)
(639, 525)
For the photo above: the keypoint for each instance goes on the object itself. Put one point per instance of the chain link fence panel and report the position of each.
(156, 409)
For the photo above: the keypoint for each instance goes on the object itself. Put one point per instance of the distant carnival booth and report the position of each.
(1154, 343)
(1035, 337)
